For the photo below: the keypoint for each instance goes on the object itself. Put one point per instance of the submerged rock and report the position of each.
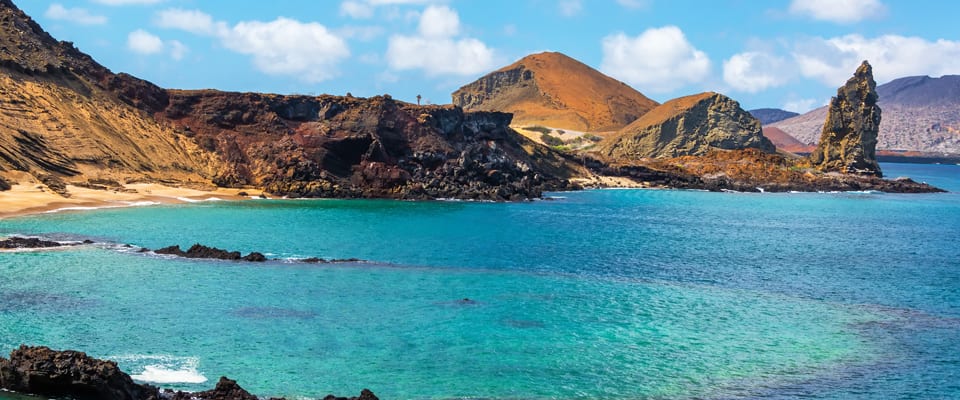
(16, 242)
(201, 251)
(848, 142)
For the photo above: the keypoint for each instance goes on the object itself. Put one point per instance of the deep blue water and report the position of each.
(596, 294)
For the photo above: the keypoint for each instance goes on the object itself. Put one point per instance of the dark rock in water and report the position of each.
(39, 370)
(314, 260)
(848, 142)
(16, 242)
(365, 394)
(255, 257)
(226, 389)
(201, 251)
(72, 374)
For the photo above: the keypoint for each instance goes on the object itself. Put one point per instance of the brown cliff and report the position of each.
(64, 118)
(848, 143)
(691, 125)
(554, 90)
(331, 146)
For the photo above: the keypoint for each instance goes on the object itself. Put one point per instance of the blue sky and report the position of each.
(788, 54)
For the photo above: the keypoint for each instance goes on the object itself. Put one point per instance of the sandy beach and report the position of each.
(25, 199)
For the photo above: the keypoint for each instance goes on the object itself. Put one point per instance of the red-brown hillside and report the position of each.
(555, 90)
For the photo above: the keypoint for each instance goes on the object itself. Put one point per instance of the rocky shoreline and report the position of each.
(73, 374)
(197, 251)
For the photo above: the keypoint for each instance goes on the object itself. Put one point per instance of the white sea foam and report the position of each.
(189, 200)
(159, 374)
(119, 205)
(163, 369)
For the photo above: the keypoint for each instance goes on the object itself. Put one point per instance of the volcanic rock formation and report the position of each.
(64, 119)
(920, 114)
(554, 90)
(75, 375)
(848, 143)
(691, 125)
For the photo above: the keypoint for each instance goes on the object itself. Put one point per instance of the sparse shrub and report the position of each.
(537, 128)
(550, 140)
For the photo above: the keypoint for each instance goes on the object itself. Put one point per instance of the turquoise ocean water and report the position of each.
(612, 294)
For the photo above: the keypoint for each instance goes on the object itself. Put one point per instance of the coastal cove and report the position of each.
(620, 294)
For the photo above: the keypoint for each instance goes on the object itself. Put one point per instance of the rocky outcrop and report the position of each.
(691, 125)
(331, 146)
(201, 251)
(920, 115)
(75, 375)
(750, 170)
(17, 242)
(848, 143)
(41, 371)
(555, 90)
(212, 253)
(65, 116)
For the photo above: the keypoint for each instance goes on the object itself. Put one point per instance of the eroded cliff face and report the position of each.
(66, 119)
(554, 90)
(691, 125)
(331, 146)
(848, 143)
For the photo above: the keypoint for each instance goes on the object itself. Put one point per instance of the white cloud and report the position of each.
(801, 105)
(146, 43)
(178, 50)
(77, 15)
(436, 49)
(754, 71)
(832, 61)
(839, 11)
(288, 47)
(439, 22)
(193, 21)
(307, 51)
(569, 8)
(635, 4)
(439, 56)
(658, 60)
(364, 9)
(356, 9)
(127, 2)
(143, 42)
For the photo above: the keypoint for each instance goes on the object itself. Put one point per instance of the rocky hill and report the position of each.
(553, 90)
(785, 142)
(848, 143)
(66, 119)
(691, 125)
(770, 115)
(62, 115)
(920, 114)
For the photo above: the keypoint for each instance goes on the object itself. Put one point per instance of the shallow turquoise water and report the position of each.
(598, 294)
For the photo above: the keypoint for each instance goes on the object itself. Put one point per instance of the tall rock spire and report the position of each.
(848, 142)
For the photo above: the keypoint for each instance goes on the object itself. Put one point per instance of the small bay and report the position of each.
(594, 294)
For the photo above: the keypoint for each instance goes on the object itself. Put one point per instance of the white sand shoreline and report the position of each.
(22, 200)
